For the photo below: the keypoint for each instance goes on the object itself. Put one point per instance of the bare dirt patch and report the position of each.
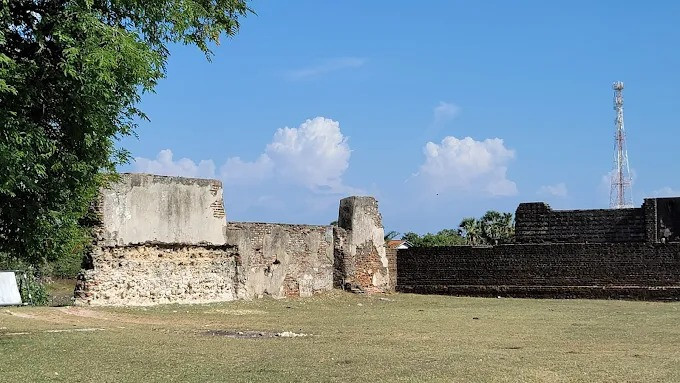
(236, 312)
(252, 334)
(108, 316)
(20, 315)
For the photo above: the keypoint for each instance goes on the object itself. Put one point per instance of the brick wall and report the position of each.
(627, 270)
(392, 267)
(538, 223)
(667, 213)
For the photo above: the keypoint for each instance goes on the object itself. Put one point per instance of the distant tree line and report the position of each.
(492, 228)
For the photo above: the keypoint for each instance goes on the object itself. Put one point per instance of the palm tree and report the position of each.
(496, 227)
(491, 228)
(391, 235)
(469, 228)
(509, 227)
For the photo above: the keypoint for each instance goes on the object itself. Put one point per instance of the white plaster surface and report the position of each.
(144, 208)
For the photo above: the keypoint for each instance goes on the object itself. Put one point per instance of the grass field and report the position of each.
(351, 338)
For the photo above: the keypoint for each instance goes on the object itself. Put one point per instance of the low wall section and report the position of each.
(282, 260)
(616, 270)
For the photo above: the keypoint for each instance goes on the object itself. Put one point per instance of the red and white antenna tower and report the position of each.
(621, 194)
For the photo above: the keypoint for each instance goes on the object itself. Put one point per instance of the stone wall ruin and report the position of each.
(360, 254)
(166, 240)
(281, 260)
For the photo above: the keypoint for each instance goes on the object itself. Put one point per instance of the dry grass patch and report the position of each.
(407, 338)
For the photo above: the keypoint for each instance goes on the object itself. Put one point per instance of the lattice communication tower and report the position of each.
(621, 193)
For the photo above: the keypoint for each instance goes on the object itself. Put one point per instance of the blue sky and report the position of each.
(440, 109)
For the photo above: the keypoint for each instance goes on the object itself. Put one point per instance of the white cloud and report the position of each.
(238, 171)
(469, 165)
(666, 192)
(315, 154)
(325, 67)
(557, 190)
(165, 165)
(445, 111)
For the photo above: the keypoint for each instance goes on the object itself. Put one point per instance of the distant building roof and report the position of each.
(398, 244)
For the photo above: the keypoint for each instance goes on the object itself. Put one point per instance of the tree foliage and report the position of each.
(71, 76)
(445, 237)
(492, 228)
(390, 235)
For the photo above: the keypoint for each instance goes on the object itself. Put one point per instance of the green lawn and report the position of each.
(407, 338)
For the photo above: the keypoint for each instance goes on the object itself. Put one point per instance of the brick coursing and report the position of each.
(597, 270)
(392, 267)
(538, 223)
(657, 220)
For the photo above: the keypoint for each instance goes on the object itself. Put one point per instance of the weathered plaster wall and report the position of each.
(144, 208)
(159, 240)
(361, 258)
(283, 260)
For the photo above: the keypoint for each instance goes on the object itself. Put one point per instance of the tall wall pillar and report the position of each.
(651, 221)
(360, 257)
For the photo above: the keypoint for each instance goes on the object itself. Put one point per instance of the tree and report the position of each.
(469, 228)
(445, 237)
(412, 238)
(496, 227)
(71, 75)
(493, 228)
(391, 235)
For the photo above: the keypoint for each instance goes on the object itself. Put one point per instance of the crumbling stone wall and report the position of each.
(166, 240)
(159, 240)
(630, 253)
(360, 256)
(152, 274)
(597, 270)
(283, 260)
